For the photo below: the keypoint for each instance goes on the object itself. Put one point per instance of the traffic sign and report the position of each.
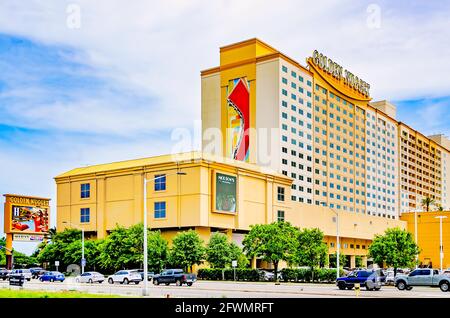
(83, 262)
(234, 263)
(56, 263)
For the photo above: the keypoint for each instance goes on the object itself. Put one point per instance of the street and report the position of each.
(213, 289)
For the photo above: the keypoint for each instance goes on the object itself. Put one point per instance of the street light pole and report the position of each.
(82, 245)
(146, 181)
(441, 248)
(337, 243)
(415, 234)
(82, 251)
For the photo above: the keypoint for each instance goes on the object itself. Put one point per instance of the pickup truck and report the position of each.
(366, 278)
(174, 276)
(423, 277)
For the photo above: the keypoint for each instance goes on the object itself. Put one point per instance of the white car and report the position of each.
(125, 277)
(90, 277)
(389, 278)
(25, 272)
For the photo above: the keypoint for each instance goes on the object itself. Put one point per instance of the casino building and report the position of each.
(281, 141)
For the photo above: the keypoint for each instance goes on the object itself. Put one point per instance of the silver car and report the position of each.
(25, 272)
(90, 277)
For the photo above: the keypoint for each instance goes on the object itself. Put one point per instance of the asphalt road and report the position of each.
(210, 289)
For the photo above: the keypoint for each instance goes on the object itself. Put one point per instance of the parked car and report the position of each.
(423, 277)
(389, 278)
(90, 277)
(4, 273)
(269, 276)
(25, 272)
(125, 277)
(36, 272)
(52, 277)
(174, 276)
(366, 278)
(149, 274)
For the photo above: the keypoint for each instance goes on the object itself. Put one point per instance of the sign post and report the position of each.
(57, 264)
(234, 264)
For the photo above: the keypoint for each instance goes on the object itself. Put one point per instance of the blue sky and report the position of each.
(115, 87)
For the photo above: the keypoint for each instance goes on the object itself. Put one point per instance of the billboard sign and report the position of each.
(26, 215)
(225, 192)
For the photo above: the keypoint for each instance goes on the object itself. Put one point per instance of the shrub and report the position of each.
(242, 274)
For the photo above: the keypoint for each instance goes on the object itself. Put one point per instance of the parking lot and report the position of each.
(213, 289)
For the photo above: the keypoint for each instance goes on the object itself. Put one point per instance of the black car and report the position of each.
(4, 273)
(149, 274)
(37, 272)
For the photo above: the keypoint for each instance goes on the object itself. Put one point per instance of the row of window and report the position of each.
(160, 185)
(294, 74)
(159, 212)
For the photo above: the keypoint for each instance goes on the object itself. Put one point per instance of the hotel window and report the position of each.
(280, 216)
(85, 215)
(280, 194)
(284, 92)
(284, 68)
(85, 190)
(160, 210)
(160, 182)
(308, 83)
(284, 80)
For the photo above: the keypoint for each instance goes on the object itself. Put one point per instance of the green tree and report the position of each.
(187, 250)
(311, 250)
(218, 251)
(427, 202)
(333, 258)
(273, 242)
(123, 248)
(238, 255)
(396, 248)
(2, 252)
(158, 251)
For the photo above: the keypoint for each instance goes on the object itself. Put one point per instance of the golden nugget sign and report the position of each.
(337, 71)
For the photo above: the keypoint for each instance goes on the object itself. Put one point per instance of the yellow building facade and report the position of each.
(98, 198)
(428, 236)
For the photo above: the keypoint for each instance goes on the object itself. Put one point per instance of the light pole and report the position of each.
(337, 243)
(144, 292)
(82, 246)
(441, 248)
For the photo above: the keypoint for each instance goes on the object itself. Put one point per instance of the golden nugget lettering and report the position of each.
(337, 71)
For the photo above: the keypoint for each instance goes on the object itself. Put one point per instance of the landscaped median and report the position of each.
(297, 275)
(20, 293)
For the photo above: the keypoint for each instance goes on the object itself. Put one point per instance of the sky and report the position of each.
(88, 82)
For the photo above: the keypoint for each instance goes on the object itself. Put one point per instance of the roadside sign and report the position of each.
(16, 280)
(83, 262)
(234, 263)
(56, 263)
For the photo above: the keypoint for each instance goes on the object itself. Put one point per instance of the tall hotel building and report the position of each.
(318, 125)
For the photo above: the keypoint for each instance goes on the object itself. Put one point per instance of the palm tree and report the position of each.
(440, 208)
(427, 202)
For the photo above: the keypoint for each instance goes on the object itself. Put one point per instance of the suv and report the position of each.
(125, 277)
(25, 272)
(36, 272)
(368, 278)
(149, 274)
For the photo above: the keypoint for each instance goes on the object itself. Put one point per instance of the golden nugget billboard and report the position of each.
(26, 215)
